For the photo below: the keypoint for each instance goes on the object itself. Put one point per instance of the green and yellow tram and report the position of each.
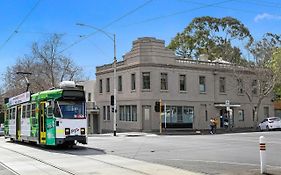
(52, 117)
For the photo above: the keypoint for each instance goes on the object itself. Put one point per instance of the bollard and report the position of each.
(262, 154)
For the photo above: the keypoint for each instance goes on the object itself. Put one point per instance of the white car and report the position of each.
(270, 124)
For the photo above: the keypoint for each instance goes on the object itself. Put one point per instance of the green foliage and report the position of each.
(275, 66)
(213, 37)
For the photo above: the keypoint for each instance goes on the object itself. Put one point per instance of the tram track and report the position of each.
(34, 158)
(108, 163)
(65, 170)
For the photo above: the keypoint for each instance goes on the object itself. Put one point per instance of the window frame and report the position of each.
(202, 84)
(120, 84)
(146, 83)
(164, 81)
(184, 82)
(222, 84)
(107, 84)
(133, 81)
(128, 113)
(100, 86)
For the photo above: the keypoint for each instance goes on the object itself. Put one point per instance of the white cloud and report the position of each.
(266, 16)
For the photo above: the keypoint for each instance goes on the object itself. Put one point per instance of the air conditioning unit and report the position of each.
(67, 84)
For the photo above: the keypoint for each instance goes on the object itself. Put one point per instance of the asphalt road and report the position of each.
(209, 154)
(148, 154)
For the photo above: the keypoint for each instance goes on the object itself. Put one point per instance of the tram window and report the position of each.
(23, 111)
(28, 111)
(49, 111)
(13, 113)
(33, 110)
(8, 114)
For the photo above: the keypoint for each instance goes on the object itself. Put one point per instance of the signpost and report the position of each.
(229, 113)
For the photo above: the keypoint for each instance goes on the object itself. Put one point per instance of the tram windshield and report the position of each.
(70, 109)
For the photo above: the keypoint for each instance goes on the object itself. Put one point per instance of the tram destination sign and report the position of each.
(24, 97)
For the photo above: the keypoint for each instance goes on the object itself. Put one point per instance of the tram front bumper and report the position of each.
(70, 139)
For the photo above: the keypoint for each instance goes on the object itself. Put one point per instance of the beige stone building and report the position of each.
(192, 91)
(92, 110)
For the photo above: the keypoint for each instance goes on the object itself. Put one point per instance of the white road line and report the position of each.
(224, 162)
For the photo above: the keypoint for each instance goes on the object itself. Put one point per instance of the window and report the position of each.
(72, 109)
(119, 83)
(182, 83)
(33, 106)
(13, 113)
(107, 85)
(255, 87)
(146, 80)
(100, 87)
(179, 115)
(28, 109)
(23, 111)
(222, 84)
(89, 96)
(266, 111)
(164, 81)
(240, 86)
(104, 112)
(133, 81)
(241, 115)
(128, 113)
(108, 113)
(202, 84)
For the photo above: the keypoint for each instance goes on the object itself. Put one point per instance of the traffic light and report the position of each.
(157, 106)
(112, 100)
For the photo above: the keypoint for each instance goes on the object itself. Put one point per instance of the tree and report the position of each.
(47, 65)
(213, 37)
(265, 71)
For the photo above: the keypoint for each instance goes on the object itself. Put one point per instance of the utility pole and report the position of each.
(114, 86)
(109, 35)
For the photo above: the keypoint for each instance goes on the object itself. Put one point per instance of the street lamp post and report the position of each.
(114, 71)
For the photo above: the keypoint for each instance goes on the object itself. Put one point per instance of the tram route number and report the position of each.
(75, 130)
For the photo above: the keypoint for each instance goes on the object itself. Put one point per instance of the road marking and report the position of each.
(223, 162)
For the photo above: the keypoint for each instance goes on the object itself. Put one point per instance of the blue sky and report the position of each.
(129, 19)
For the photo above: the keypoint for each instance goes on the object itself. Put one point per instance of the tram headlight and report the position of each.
(67, 131)
(82, 131)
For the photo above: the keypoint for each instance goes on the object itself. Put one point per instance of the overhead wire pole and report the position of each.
(114, 71)
(114, 86)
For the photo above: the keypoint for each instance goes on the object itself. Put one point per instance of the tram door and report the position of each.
(18, 122)
(42, 118)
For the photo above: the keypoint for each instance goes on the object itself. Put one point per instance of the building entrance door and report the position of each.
(146, 118)
(95, 124)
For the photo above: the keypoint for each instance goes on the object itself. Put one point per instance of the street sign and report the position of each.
(227, 102)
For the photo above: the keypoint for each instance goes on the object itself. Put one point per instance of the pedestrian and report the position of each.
(212, 125)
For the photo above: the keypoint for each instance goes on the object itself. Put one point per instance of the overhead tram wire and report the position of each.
(204, 5)
(108, 25)
(260, 3)
(20, 24)
(267, 2)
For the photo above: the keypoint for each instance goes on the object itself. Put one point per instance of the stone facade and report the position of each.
(150, 72)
